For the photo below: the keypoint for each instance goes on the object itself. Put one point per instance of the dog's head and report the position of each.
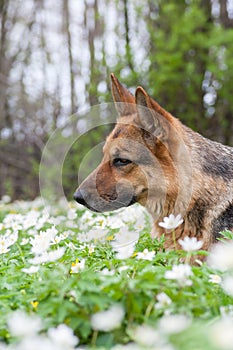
(138, 156)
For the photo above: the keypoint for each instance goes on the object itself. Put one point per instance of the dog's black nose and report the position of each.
(78, 197)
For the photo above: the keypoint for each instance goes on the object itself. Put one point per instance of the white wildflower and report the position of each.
(58, 238)
(107, 272)
(51, 232)
(5, 199)
(32, 231)
(24, 241)
(171, 222)
(36, 342)
(227, 285)
(56, 220)
(146, 255)
(133, 214)
(71, 224)
(48, 256)
(123, 268)
(125, 252)
(54, 255)
(12, 238)
(88, 219)
(41, 221)
(73, 294)
(16, 226)
(141, 221)
(42, 241)
(87, 216)
(114, 222)
(221, 334)
(108, 320)
(125, 237)
(124, 243)
(163, 300)
(190, 244)
(32, 269)
(63, 337)
(4, 249)
(39, 259)
(30, 219)
(180, 273)
(71, 246)
(221, 256)
(92, 235)
(40, 244)
(100, 221)
(146, 336)
(215, 279)
(20, 324)
(3, 346)
(71, 214)
(12, 218)
(226, 311)
(6, 241)
(77, 266)
(172, 324)
(91, 249)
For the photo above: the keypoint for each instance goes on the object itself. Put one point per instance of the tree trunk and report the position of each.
(3, 65)
(70, 56)
(224, 18)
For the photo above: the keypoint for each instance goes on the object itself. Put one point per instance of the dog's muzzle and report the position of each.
(81, 197)
(101, 205)
(78, 197)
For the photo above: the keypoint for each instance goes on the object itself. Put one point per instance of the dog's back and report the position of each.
(212, 203)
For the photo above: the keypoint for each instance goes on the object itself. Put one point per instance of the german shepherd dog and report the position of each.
(151, 158)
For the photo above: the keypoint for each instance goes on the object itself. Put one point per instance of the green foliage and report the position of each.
(59, 296)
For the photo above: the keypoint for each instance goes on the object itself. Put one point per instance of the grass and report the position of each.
(63, 266)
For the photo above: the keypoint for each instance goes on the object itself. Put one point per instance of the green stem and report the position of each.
(20, 252)
(94, 338)
(149, 309)
(174, 239)
(188, 258)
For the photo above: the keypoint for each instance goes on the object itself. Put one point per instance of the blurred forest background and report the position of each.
(56, 57)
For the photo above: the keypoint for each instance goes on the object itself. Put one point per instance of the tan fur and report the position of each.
(172, 170)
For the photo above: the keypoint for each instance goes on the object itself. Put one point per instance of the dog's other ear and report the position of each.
(124, 100)
(153, 117)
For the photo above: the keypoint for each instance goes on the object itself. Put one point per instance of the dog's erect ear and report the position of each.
(124, 100)
(153, 117)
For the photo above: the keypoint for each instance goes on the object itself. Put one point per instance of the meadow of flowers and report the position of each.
(73, 279)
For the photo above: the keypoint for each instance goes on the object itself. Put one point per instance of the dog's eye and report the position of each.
(121, 161)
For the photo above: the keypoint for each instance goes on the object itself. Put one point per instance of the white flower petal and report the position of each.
(172, 324)
(20, 324)
(32, 269)
(190, 244)
(63, 337)
(221, 256)
(108, 320)
(171, 222)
